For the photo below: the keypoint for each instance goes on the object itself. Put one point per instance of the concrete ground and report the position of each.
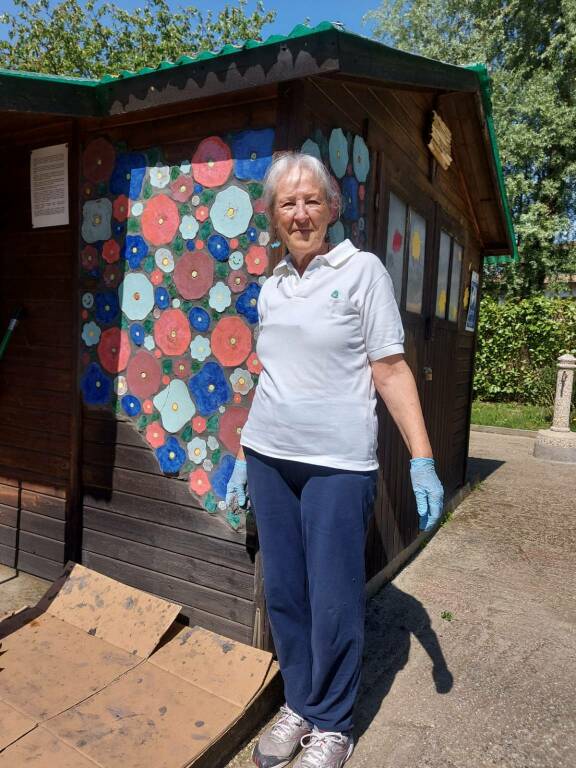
(494, 682)
(19, 589)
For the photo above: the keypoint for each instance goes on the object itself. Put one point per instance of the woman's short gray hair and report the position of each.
(287, 162)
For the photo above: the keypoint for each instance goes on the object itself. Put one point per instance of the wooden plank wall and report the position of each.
(139, 526)
(394, 123)
(36, 380)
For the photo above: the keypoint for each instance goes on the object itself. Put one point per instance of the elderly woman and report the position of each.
(330, 337)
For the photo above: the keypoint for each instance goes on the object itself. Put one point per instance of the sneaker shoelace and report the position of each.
(288, 720)
(317, 746)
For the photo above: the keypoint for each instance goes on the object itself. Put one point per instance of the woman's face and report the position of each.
(301, 213)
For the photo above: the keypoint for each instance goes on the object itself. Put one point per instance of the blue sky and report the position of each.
(289, 12)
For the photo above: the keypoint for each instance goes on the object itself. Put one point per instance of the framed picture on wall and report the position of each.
(473, 303)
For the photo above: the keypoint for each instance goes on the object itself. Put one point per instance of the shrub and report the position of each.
(518, 345)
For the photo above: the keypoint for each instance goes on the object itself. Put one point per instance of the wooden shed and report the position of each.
(134, 239)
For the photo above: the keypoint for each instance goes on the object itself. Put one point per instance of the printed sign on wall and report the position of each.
(49, 186)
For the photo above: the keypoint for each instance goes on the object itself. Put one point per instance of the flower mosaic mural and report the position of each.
(173, 258)
(348, 159)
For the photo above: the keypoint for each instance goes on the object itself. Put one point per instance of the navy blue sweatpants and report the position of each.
(312, 524)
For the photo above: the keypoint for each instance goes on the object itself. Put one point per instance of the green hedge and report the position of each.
(518, 345)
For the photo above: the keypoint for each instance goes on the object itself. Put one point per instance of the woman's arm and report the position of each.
(395, 384)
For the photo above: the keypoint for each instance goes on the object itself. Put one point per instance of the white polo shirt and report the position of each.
(315, 401)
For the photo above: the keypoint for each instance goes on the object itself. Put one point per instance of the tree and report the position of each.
(530, 48)
(96, 37)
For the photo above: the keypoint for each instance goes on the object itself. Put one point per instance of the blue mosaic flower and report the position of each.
(222, 474)
(171, 456)
(252, 151)
(351, 210)
(118, 228)
(107, 306)
(198, 188)
(131, 405)
(162, 298)
(128, 175)
(209, 388)
(135, 249)
(247, 302)
(96, 386)
(252, 234)
(218, 247)
(137, 334)
(199, 319)
(190, 245)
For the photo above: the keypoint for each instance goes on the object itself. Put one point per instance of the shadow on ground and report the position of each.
(392, 618)
(479, 469)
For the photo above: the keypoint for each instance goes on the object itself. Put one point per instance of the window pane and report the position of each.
(455, 283)
(416, 262)
(395, 246)
(443, 266)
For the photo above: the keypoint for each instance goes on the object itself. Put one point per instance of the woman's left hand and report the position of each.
(428, 491)
(236, 488)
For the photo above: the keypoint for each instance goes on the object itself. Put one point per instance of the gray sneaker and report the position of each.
(325, 749)
(278, 745)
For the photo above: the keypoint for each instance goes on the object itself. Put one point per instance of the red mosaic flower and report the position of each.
(155, 435)
(98, 160)
(148, 406)
(231, 341)
(160, 220)
(112, 276)
(230, 427)
(202, 213)
(237, 281)
(143, 374)
(199, 424)
(121, 208)
(253, 363)
(397, 241)
(172, 332)
(199, 483)
(194, 274)
(110, 251)
(156, 277)
(89, 257)
(182, 188)
(114, 350)
(259, 205)
(256, 260)
(181, 367)
(212, 162)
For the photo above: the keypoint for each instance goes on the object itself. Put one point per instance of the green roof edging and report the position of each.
(481, 71)
(299, 31)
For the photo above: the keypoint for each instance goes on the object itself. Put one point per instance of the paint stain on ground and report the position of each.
(92, 631)
(199, 723)
(162, 710)
(129, 603)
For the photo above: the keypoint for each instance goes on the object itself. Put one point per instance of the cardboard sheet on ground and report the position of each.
(81, 685)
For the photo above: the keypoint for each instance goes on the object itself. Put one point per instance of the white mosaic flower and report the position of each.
(263, 238)
(164, 260)
(160, 176)
(241, 381)
(207, 465)
(87, 300)
(200, 348)
(136, 209)
(185, 168)
(220, 297)
(213, 443)
(188, 227)
(120, 385)
(149, 343)
(197, 450)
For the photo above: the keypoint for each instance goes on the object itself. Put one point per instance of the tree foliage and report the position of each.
(530, 48)
(92, 38)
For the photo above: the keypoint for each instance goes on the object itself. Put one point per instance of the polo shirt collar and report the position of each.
(336, 256)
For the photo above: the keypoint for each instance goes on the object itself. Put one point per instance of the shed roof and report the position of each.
(306, 51)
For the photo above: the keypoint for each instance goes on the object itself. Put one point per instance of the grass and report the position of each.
(513, 415)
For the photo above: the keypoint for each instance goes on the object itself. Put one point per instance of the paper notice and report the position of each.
(49, 186)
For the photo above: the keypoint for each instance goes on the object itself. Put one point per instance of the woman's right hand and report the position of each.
(237, 485)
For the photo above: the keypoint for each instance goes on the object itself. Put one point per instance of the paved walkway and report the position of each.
(496, 685)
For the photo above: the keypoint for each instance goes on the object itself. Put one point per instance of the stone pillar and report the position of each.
(558, 443)
(564, 383)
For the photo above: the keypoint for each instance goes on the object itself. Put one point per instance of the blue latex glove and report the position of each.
(428, 491)
(236, 488)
